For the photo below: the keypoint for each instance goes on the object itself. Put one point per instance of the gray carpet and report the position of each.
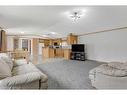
(68, 74)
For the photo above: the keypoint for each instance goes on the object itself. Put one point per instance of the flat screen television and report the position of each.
(77, 47)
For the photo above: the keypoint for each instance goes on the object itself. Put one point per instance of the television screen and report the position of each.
(78, 48)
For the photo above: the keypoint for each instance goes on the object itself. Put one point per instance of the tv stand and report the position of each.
(78, 56)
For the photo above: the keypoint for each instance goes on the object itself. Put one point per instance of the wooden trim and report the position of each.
(64, 40)
(3, 38)
(39, 36)
(89, 33)
(35, 50)
(24, 36)
(102, 31)
(5, 51)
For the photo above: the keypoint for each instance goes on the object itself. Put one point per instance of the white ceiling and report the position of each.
(40, 20)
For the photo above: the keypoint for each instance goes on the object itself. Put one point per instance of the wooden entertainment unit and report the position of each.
(78, 52)
(78, 56)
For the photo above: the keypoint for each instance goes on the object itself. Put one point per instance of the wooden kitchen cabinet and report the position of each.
(47, 52)
(72, 39)
(67, 54)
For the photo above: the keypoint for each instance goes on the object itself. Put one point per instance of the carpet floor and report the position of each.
(68, 74)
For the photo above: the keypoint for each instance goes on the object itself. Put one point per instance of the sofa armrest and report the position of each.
(44, 77)
(20, 79)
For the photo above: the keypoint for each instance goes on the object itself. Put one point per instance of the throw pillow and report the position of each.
(108, 70)
(19, 62)
(7, 59)
(118, 65)
(5, 70)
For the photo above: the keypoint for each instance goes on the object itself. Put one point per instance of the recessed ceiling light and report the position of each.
(53, 32)
(22, 32)
(45, 35)
(83, 10)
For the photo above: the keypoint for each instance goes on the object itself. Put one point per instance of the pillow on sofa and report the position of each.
(108, 70)
(3, 54)
(118, 65)
(19, 62)
(5, 70)
(7, 59)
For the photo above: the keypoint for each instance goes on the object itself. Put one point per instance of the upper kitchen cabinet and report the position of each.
(72, 39)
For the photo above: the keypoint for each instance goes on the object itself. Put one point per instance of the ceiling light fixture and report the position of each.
(76, 14)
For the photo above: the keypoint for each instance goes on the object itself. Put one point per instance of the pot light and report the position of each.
(45, 35)
(22, 32)
(53, 33)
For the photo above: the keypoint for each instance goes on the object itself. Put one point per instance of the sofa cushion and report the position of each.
(118, 65)
(5, 70)
(7, 59)
(20, 79)
(19, 62)
(108, 70)
(28, 68)
(3, 54)
(24, 68)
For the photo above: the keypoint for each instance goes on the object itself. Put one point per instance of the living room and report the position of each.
(63, 47)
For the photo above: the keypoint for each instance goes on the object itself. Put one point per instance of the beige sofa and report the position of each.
(109, 76)
(20, 75)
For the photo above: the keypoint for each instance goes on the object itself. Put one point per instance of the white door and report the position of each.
(40, 48)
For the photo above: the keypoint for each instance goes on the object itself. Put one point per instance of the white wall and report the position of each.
(108, 46)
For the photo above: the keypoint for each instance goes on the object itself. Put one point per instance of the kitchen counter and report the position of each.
(55, 52)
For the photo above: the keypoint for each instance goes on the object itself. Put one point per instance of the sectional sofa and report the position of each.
(19, 74)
